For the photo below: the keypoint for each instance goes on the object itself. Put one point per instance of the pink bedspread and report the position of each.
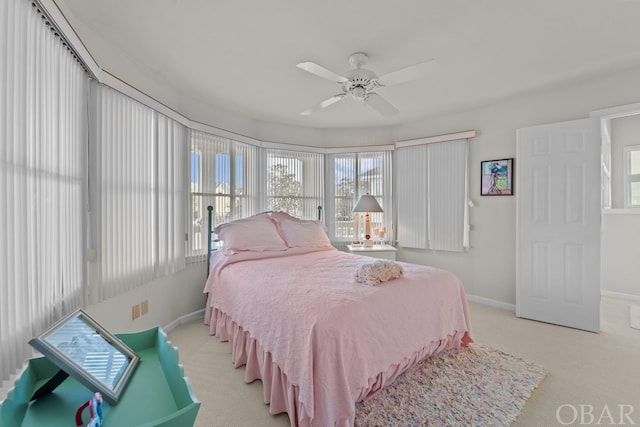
(333, 341)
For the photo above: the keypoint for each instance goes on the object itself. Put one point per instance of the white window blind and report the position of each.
(42, 157)
(171, 194)
(433, 196)
(137, 165)
(224, 175)
(350, 175)
(294, 182)
(413, 206)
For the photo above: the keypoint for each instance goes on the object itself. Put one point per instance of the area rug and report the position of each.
(472, 386)
(634, 316)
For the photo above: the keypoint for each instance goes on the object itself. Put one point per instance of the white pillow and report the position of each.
(306, 234)
(257, 233)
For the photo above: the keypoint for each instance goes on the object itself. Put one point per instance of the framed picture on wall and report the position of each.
(496, 177)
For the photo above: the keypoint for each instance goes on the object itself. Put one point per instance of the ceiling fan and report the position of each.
(361, 83)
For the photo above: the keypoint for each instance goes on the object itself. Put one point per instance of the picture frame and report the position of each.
(86, 351)
(496, 177)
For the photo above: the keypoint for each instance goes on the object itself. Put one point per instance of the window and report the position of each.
(351, 175)
(294, 182)
(229, 187)
(632, 176)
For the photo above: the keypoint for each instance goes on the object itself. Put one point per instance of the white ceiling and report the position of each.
(239, 57)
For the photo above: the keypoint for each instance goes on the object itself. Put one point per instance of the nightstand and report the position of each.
(374, 251)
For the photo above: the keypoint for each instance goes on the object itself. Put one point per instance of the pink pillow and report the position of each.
(257, 233)
(283, 216)
(306, 234)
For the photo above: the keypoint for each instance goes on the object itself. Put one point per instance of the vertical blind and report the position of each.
(42, 157)
(138, 191)
(294, 182)
(171, 193)
(413, 206)
(433, 196)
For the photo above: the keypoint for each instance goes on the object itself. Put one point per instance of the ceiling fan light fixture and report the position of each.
(358, 59)
(358, 93)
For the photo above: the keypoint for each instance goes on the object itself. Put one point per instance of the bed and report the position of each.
(295, 314)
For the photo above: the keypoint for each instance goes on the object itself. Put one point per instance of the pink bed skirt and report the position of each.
(283, 396)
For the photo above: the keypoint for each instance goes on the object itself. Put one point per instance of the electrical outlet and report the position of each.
(144, 307)
(135, 312)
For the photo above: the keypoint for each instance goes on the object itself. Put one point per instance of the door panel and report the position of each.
(558, 224)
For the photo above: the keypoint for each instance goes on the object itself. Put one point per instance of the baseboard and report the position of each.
(492, 302)
(199, 314)
(512, 307)
(620, 295)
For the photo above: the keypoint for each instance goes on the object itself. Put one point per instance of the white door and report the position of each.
(558, 223)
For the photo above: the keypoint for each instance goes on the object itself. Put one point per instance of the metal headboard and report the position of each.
(209, 234)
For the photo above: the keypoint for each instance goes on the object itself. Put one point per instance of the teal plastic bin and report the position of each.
(157, 394)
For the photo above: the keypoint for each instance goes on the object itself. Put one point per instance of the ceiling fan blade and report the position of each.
(319, 70)
(381, 105)
(413, 72)
(323, 104)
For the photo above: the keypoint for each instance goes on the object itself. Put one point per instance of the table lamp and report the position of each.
(367, 204)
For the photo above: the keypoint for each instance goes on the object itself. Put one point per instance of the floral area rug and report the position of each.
(472, 386)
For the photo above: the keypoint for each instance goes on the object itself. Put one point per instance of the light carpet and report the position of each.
(472, 386)
(634, 316)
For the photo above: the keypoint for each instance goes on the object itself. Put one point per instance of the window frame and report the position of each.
(197, 227)
(630, 178)
(311, 179)
(238, 200)
(383, 219)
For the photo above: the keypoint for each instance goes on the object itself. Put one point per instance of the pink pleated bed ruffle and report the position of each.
(246, 351)
(279, 393)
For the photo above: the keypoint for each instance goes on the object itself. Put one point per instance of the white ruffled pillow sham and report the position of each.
(301, 233)
(256, 233)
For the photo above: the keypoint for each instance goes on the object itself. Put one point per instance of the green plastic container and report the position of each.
(157, 394)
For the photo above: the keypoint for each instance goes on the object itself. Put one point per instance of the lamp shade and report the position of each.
(367, 203)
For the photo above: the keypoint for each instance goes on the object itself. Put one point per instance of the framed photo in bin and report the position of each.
(83, 349)
(496, 177)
